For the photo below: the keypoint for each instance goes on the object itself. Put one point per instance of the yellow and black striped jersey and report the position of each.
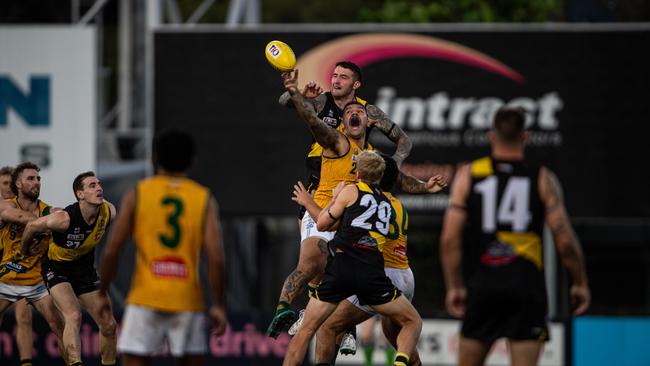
(506, 219)
(78, 242)
(364, 225)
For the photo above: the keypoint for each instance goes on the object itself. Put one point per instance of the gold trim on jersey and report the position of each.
(527, 245)
(482, 167)
(59, 253)
(16, 268)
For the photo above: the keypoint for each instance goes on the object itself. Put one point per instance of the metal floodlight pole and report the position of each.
(153, 18)
(200, 11)
(125, 71)
(90, 14)
(550, 268)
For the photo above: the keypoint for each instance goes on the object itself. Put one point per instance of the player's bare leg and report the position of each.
(404, 314)
(24, 333)
(311, 264)
(525, 353)
(472, 352)
(67, 303)
(345, 316)
(98, 305)
(315, 314)
(391, 329)
(48, 310)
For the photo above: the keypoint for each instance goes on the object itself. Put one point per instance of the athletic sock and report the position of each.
(26, 362)
(402, 359)
(108, 363)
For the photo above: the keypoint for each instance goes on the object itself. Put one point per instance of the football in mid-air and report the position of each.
(280, 56)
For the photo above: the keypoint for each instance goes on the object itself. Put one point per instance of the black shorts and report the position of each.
(516, 314)
(346, 276)
(81, 276)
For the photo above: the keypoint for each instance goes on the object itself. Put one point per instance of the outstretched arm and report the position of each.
(10, 213)
(57, 221)
(326, 136)
(212, 242)
(566, 241)
(118, 237)
(411, 184)
(379, 119)
(451, 243)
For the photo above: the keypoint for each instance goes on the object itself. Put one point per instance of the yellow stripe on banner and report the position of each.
(527, 245)
(482, 167)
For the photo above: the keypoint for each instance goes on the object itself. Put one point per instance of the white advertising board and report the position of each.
(48, 103)
(438, 345)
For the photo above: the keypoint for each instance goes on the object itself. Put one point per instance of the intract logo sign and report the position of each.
(442, 115)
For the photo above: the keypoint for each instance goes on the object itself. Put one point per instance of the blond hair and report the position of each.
(370, 167)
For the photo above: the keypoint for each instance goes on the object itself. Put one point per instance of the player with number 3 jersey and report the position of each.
(172, 219)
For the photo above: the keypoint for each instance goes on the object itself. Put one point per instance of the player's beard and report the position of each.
(33, 194)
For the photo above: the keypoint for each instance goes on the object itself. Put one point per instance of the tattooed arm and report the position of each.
(379, 119)
(329, 138)
(566, 241)
(411, 184)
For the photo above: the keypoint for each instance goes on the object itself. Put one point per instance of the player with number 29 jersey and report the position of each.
(173, 210)
(364, 226)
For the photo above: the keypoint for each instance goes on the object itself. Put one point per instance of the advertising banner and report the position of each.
(48, 103)
(438, 345)
(584, 92)
(244, 343)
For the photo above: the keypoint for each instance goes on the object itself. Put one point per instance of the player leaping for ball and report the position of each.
(340, 151)
(346, 80)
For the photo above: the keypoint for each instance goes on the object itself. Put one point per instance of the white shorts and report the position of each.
(308, 229)
(13, 293)
(144, 331)
(402, 279)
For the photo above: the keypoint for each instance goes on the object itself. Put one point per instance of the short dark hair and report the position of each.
(509, 124)
(18, 171)
(174, 150)
(352, 67)
(78, 182)
(354, 102)
(391, 172)
(6, 170)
